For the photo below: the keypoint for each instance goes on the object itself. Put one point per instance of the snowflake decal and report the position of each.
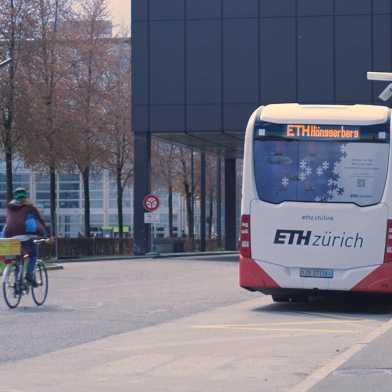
(285, 182)
(325, 165)
(319, 171)
(308, 171)
(302, 176)
(303, 164)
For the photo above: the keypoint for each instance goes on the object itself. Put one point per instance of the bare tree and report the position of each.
(166, 160)
(211, 190)
(17, 23)
(90, 53)
(119, 141)
(184, 178)
(44, 84)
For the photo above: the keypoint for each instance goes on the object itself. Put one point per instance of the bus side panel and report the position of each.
(249, 192)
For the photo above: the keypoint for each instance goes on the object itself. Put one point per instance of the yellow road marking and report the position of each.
(272, 329)
(288, 323)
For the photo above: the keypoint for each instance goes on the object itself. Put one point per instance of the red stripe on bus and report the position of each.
(379, 280)
(253, 276)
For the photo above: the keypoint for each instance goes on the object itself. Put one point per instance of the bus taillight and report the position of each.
(388, 243)
(245, 236)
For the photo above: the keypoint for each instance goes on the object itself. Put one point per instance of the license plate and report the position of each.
(316, 273)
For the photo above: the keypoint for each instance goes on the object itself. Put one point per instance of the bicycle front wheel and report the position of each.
(40, 292)
(11, 292)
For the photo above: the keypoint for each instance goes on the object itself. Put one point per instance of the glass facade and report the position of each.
(69, 191)
(103, 199)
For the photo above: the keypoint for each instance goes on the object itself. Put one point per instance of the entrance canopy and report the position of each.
(228, 144)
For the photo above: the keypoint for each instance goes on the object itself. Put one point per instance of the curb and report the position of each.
(156, 256)
(56, 267)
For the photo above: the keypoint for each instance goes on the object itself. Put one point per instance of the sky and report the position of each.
(121, 11)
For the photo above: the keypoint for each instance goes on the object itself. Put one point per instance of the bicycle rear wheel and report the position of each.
(11, 295)
(40, 292)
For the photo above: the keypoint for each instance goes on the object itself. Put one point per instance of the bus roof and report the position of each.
(325, 114)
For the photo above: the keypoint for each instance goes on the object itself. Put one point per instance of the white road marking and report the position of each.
(327, 369)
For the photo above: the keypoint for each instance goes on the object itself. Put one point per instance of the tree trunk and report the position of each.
(210, 215)
(8, 159)
(86, 190)
(170, 204)
(53, 202)
(120, 192)
(11, 99)
(189, 212)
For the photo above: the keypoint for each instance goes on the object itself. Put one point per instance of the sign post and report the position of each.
(151, 204)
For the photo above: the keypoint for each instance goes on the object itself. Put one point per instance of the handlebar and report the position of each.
(42, 241)
(29, 237)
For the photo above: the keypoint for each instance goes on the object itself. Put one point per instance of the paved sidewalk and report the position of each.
(369, 370)
(253, 346)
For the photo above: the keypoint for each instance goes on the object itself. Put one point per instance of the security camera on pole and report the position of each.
(386, 95)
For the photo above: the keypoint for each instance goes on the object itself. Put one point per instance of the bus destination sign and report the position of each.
(322, 132)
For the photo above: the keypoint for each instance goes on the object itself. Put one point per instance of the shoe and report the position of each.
(31, 280)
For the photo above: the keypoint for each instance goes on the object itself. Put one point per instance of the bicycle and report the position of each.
(14, 282)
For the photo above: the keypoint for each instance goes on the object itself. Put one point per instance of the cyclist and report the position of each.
(23, 218)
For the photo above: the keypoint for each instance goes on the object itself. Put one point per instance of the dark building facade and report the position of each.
(202, 66)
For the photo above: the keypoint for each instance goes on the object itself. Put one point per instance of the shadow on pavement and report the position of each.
(41, 309)
(358, 305)
(222, 258)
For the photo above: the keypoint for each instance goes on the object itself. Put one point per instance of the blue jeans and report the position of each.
(30, 248)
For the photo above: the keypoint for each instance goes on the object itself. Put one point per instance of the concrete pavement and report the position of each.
(369, 370)
(251, 346)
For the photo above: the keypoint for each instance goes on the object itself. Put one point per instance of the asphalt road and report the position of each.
(89, 301)
(184, 325)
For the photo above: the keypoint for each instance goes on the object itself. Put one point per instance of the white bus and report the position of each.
(317, 201)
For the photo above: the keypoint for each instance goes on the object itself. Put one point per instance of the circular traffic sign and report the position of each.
(151, 203)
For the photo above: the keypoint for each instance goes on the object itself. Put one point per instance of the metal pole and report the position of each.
(230, 204)
(203, 201)
(219, 201)
(142, 158)
(150, 246)
(192, 233)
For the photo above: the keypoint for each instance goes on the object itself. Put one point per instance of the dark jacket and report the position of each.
(17, 214)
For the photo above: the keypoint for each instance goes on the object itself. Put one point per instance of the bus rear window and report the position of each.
(320, 171)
